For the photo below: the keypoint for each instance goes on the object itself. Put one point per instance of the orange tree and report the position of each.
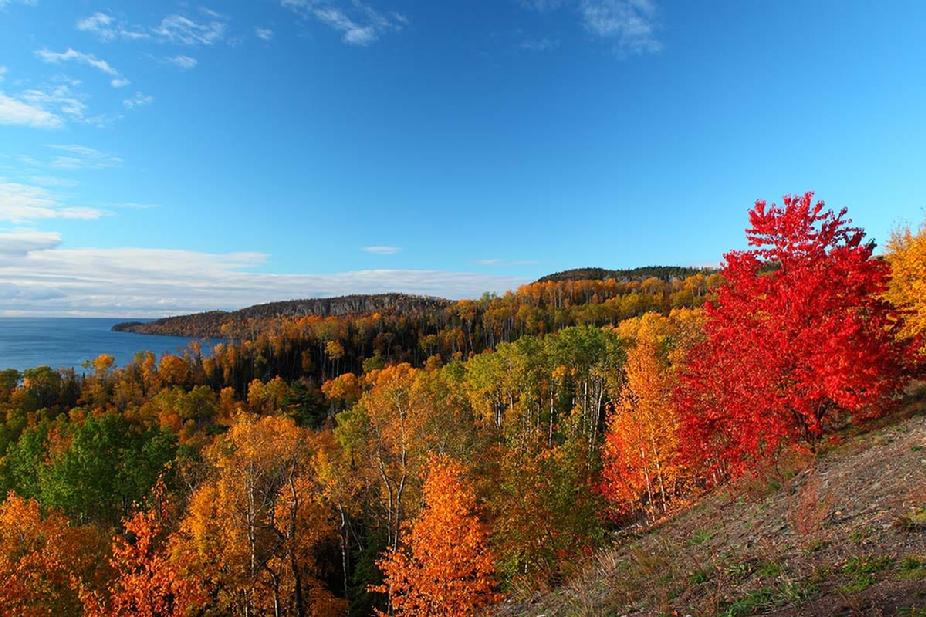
(147, 584)
(906, 253)
(641, 467)
(447, 569)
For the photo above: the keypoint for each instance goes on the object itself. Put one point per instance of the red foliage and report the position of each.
(148, 583)
(798, 335)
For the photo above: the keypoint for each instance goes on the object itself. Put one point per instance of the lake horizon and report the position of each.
(68, 342)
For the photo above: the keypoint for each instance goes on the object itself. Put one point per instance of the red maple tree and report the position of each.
(797, 337)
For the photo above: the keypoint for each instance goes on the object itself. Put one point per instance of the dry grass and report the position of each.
(844, 534)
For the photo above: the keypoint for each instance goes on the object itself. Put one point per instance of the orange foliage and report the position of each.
(42, 560)
(251, 529)
(641, 467)
(148, 583)
(448, 570)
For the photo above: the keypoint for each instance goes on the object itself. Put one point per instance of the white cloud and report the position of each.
(381, 250)
(155, 282)
(631, 24)
(20, 203)
(17, 112)
(6, 3)
(21, 241)
(183, 62)
(107, 28)
(90, 60)
(81, 157)
(138, 100)
(2, 72)
(263, 33)
(64, 100)
(185, 31)
(359, 24)
(174, 28)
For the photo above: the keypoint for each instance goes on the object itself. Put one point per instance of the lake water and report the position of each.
(66, 342)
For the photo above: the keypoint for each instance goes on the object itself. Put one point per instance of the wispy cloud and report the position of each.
(381, 250)
(184, 62)
(358, 23)
(264, 34)
(90, 60)
(39, 277)
(107, 28)
(185, 31)
(175, 28)
(139, 99)
(60, 97)
(19, 112)
(52, 181)
(21, 241)
(2, 72)
(75, 156)
(6, 3)
(21, 203)
(631, 24)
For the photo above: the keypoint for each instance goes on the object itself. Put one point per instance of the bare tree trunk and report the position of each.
(298, 601)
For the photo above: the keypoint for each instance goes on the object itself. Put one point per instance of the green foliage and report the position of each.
(700, 537)
(107, 466)
(862, 571)
(750, 603)
(20, 468)
(912, 568)
(9, 379)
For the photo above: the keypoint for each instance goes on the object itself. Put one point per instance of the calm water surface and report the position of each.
(66, 342)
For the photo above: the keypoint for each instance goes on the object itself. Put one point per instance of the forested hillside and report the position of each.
(216, 324)
(413, 456)
(665, 273)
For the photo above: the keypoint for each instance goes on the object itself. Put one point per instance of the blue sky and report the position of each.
(174, 156)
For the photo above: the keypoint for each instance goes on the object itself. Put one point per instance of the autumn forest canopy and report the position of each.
(412, 456)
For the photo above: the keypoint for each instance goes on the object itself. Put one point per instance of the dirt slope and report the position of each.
(845, 536)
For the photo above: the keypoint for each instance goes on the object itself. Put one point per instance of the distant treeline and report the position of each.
(585, 286)
(210, 324)
(665, 273)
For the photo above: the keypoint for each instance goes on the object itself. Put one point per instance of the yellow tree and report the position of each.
(252, 527)
(448, 567)
(641, 468)
(382, 432)
(906, 253)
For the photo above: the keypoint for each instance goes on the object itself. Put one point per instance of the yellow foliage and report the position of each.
(906, 253)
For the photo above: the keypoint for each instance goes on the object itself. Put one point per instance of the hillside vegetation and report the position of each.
(843, 533)
(613, 294)
(665, 273)
(216, 324)
(669, 445)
